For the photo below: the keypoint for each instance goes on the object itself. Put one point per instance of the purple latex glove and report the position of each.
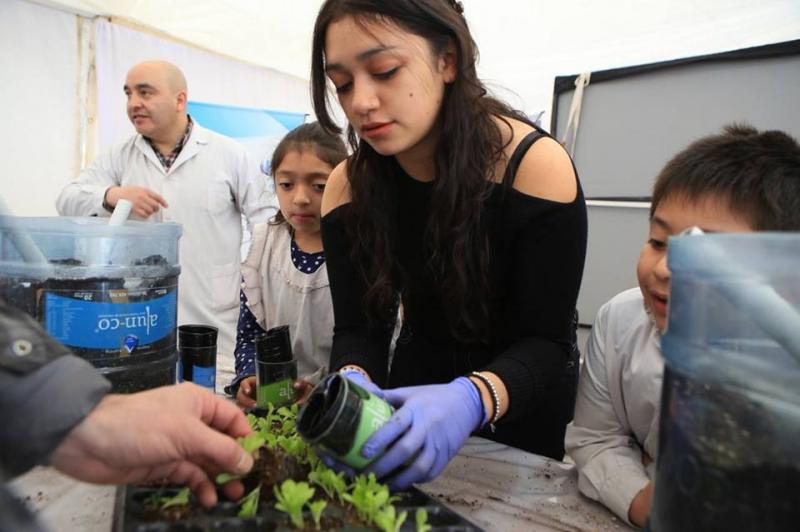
(333, 463)
(360, 380)
(430, 426)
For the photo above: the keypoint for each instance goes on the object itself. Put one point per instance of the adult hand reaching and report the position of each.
(182, 433)
(430, 426)
(145, 201)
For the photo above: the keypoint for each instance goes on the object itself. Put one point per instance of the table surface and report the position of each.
(494, 486)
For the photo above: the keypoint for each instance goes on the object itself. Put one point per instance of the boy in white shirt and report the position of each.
(740, 180)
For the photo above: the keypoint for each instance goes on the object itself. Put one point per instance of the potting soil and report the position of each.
(725, 460)
(124, 326)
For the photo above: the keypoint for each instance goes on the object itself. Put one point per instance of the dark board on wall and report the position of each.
(634, 119)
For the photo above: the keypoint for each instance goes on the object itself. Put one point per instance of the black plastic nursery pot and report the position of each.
(276, 368)
(340, 416)
(197, 345)
(132, 515)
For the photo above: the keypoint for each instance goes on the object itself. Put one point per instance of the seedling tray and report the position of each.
(132, 515)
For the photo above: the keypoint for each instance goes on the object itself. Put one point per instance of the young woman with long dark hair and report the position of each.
(454, 207)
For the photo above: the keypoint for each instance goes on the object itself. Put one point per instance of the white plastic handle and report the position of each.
(121, 212)
(22, 239)
(760, 301)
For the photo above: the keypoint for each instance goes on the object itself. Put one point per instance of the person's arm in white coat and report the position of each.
(84, 196)
(101, 182)
(600, 439)
(250, 190)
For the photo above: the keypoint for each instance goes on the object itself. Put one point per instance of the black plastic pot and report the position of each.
(340, 416)
(275, 345)
(198, 350)
(276, 368)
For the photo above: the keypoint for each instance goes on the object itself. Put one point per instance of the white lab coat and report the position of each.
(618, 404)
(211, 183)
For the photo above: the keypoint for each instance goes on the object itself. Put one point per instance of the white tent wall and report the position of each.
(270, 33)
(211, 79)
(39, 133)
(46, 137)
(523, 45)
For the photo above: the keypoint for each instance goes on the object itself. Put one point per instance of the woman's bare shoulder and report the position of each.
(546, 170)
(337, 189)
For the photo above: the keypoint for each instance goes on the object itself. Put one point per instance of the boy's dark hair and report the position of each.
(328, 147)
(757, 174)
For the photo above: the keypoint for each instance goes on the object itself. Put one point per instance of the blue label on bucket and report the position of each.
(204, 376)
(103, 325)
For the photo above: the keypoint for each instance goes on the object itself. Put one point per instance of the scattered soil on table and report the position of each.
(474, 504)
(34, 498)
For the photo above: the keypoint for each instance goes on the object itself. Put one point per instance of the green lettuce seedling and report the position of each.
(287, 416)
(388, 520)
(249, 504)
(332, 483)
(294, 447)
(179, 499)
(292, 496)
(312, 459)
(270, 440)
(421, 518)
(280, 421)
(316, 508)
(224, 478)
(252, 442)
(368, 496)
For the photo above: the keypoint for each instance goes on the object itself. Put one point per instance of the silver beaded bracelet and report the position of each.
(495, 397)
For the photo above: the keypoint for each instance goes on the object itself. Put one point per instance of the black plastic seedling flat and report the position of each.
(131, 515)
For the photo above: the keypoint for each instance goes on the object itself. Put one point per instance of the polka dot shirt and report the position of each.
(306, 262)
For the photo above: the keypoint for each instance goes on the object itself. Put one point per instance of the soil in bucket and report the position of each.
(124, 326)
(721, 466)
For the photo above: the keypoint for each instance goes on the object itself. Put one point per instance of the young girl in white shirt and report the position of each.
(285, 279)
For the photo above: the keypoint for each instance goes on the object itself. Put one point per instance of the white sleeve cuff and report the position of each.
(622, 486)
